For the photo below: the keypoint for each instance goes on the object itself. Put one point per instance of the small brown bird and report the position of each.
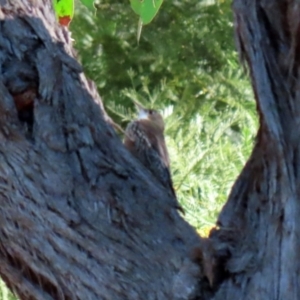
(144, 138)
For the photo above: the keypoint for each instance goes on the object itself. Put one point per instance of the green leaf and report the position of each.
(64, 10)
(146, 9)
(89, 4)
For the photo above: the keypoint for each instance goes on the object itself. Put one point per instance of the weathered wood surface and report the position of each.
(260, 224)
(80, 218)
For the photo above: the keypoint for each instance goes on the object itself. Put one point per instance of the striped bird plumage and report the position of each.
(144, 138)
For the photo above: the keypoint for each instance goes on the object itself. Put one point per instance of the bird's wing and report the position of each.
(150, 149)
(160, 166)
(161, 170)
(158, 155)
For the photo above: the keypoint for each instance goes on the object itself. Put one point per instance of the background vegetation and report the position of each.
(186, 66)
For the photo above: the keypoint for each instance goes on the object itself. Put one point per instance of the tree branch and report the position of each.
(259, 225)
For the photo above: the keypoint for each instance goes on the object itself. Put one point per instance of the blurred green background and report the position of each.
(185, 65)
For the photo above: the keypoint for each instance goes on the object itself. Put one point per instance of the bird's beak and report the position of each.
(141, 110)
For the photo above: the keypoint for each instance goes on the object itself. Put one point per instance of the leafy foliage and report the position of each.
(64, 10)
(5, 294)
(146, 9)
(185, 65)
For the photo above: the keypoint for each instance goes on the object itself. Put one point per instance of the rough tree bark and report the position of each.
(260, 224)
(81, 219)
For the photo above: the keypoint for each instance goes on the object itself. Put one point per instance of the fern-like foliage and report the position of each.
(186, 66)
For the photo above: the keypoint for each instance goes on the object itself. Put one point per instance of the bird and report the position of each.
(144, 138)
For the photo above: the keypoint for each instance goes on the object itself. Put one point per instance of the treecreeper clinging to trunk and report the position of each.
(144, 138)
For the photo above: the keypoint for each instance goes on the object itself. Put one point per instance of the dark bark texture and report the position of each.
(80, 218)
(259, 232)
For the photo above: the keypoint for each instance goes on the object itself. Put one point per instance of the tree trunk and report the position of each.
(259, 232)
(82, 219)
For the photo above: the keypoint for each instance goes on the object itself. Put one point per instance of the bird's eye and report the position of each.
(150, 112)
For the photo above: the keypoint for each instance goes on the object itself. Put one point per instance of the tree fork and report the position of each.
(80, 218)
